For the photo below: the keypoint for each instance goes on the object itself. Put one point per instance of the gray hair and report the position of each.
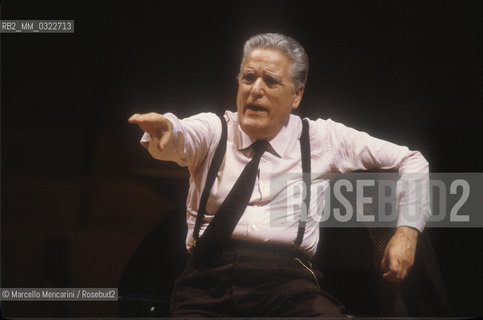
(299, 68)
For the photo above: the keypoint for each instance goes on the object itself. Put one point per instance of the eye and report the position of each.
(270, 81)
(249, 77)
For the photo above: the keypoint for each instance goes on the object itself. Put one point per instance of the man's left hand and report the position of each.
(399, 254)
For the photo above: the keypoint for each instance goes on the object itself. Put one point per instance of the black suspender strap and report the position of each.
(210, 179)
(215, 167)
(306, 169)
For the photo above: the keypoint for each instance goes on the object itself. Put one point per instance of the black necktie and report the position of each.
(223, 223)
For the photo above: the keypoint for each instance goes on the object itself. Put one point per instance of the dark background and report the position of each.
(78, 192)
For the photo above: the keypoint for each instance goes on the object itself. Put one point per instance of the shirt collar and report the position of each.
(278, 144)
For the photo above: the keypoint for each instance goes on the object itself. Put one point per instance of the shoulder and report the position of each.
(231, 117)
(330, 129)
(325, 135)
(322, 124)
(319, 128)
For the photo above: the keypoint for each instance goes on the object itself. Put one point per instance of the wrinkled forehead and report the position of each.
(267, 59)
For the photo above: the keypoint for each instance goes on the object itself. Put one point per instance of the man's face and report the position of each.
(265, 93)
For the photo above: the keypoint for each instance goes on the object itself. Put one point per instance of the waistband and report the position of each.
(273, 248)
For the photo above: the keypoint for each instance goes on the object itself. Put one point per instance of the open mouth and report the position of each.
(256, 108)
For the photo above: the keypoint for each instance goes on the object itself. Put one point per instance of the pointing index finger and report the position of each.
(133, 118)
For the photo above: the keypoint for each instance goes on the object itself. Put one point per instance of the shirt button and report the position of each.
(254, 227)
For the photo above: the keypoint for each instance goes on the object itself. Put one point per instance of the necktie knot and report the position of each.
(260, 146)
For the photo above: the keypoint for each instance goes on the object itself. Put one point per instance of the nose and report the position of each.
(257, 88)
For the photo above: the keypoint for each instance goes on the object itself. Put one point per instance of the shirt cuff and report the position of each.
(414, 201)
(145, 139)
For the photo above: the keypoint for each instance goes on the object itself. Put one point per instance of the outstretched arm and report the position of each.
(184, 141)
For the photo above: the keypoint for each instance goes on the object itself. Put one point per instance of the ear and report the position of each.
(298, 97)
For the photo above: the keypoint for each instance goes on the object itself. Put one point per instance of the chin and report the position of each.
(254, 129)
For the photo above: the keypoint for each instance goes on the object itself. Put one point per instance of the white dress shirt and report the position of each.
(334, 148)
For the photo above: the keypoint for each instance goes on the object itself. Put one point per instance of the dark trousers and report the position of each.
(250, 280)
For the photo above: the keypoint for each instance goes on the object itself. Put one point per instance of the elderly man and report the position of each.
(242, 264)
